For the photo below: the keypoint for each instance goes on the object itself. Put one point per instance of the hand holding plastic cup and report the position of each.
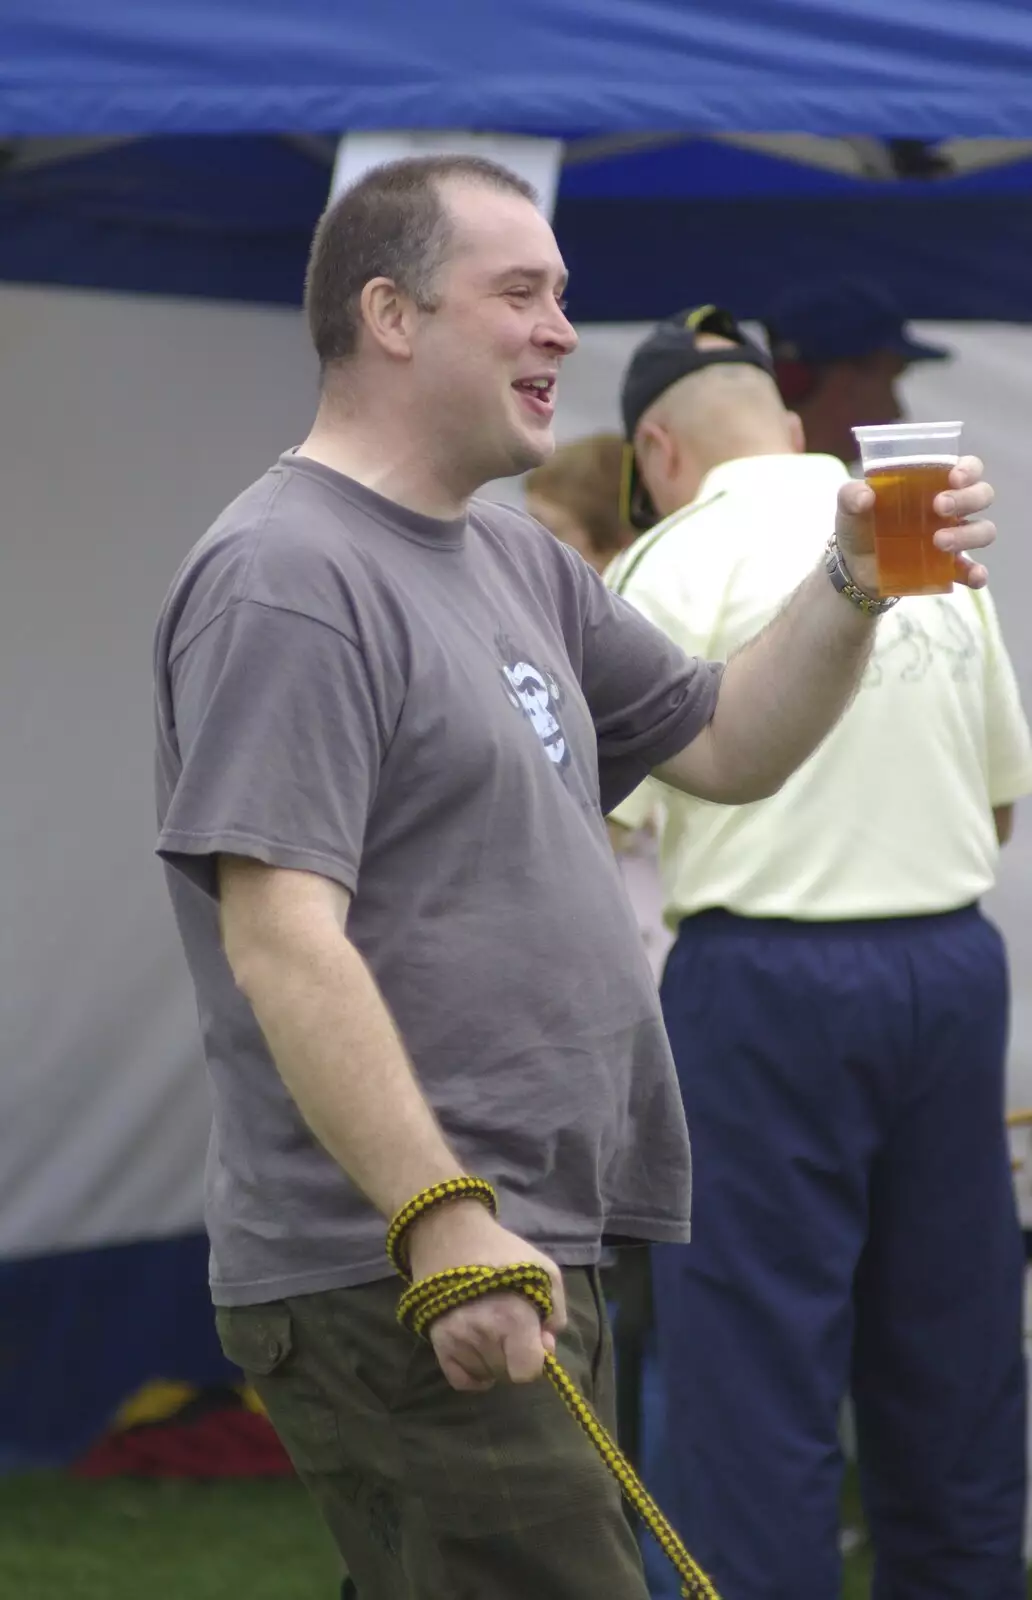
(907, 464)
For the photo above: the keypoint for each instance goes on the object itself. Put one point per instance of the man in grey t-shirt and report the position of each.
(390, 719)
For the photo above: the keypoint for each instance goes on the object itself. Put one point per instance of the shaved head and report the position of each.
(720, 414)
(724, 411)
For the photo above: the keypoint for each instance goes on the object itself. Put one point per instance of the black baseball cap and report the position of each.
(670, 353)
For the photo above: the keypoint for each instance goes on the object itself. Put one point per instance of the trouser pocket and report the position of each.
(263, 1342)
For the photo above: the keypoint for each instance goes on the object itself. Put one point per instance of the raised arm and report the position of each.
(778, 698)
(787, 688)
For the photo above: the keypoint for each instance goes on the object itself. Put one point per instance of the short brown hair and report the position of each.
(392, 223)
(583, 478)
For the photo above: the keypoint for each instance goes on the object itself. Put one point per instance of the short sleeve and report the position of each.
(648, 698)
(691, 626)
(1008, 746)
(272, 746)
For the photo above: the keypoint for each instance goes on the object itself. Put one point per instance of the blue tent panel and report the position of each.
(927, 69)
(82, 1330)
(232, 217)
(745, 254)
(710, 169)
(211, 200)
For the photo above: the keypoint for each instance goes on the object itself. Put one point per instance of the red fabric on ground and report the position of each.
(228, 1442)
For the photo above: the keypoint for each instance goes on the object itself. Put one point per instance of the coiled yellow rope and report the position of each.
(423, 1302)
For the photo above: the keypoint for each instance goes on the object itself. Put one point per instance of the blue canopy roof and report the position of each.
(209, 129)
(924, 69)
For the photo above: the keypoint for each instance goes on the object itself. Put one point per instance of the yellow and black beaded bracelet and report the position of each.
(438, 1194)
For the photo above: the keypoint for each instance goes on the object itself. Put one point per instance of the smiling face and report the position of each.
(486, 359)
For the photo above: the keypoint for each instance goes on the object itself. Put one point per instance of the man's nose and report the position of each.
(560, 334)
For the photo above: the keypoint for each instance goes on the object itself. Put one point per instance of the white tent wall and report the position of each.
(125, 426)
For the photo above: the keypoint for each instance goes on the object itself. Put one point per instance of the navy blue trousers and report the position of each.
(855, 1230)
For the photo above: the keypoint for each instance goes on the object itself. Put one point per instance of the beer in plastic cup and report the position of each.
(907, 464)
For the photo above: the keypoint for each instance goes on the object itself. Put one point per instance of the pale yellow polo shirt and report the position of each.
(892, 816)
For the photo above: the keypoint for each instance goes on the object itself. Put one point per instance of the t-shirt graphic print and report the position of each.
(537, 693)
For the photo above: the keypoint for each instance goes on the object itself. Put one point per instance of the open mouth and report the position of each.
(537, 394)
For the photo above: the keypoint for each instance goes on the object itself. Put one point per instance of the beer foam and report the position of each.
(889, 463)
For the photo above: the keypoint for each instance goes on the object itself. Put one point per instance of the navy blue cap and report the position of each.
(842, 319)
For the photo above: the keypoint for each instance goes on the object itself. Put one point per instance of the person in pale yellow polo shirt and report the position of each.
(576, 495)
(837, 1007)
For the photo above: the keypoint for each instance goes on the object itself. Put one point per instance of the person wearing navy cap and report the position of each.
(836, 1004)
(840, 347)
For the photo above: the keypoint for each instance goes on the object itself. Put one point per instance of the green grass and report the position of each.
(126, 1539)
(856, 1576)
(123, 1539)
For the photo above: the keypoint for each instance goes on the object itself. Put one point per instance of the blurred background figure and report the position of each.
(840, 347)
(837, 1007)
(576, 494)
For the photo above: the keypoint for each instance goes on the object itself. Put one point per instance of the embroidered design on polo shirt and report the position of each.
(909, 642)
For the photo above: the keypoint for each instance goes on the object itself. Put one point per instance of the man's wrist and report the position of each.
(871, 605)
(439, 1210)
(439, 1237)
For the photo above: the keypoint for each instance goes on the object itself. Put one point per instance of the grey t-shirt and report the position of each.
(435, 715)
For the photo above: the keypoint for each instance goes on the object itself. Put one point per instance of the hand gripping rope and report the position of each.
(423, 1302)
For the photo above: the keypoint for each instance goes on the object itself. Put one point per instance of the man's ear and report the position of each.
(796, 433)
(388, 315)
(656, 450)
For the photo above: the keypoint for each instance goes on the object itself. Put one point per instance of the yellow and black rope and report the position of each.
(423, 1302)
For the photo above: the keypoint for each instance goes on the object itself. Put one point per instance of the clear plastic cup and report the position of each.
(907, 464)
